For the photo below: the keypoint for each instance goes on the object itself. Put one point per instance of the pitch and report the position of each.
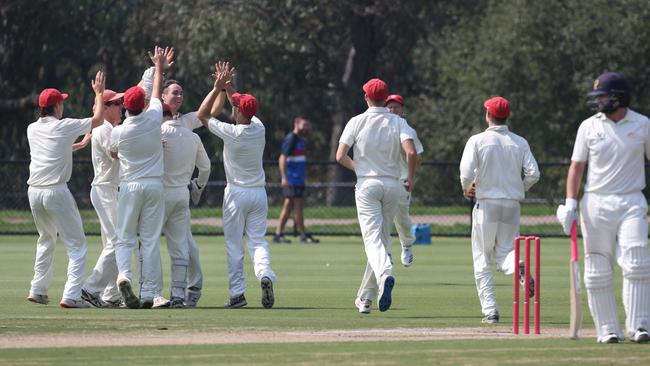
(435, 316)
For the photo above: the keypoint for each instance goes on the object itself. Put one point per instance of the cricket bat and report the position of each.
(574, 272)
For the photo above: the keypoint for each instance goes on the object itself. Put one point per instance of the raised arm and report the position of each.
(98, 86)
(211, 103)
(161, 59)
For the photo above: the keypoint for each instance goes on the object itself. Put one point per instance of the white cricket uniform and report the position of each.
(614, 218)
(245, 206)
(52, 205)
(376, 137)
(190, 121)
(103, 195)
(402, 219)
(141, 205)
(182, 151)
(494, 161)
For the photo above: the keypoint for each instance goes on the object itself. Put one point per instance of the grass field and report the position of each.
(314, 321)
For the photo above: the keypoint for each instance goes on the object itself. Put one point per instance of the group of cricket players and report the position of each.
(144, 165)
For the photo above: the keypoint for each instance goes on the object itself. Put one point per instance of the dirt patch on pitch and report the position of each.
(165, 337)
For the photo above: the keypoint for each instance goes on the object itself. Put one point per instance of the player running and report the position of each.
(491, 171)
(378, 138)
(403, 223)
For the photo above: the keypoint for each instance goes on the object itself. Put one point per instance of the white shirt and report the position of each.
(243, 146)
(376, 137)
(182, 150)
(106, 168)
(403, 165)
(50, 148)
(189, 120)
(494, 160)
(138, 144)
(614, 152)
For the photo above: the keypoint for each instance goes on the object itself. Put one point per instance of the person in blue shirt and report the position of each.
(292, 171)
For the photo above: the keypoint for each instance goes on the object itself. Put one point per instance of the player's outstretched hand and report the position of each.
(409, 185)
(195, 191)
(566, 215)
(161, 57)
(99, 83)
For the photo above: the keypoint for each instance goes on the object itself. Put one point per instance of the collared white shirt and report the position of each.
(403, 164)
(614, 152)
(189, 120)
(50, 148)
(182, 151)
(106, 168)
(376, 137)
(243, 147)
(494, 160)
(138, 144)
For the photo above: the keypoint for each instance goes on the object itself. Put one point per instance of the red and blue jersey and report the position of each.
(293, 147)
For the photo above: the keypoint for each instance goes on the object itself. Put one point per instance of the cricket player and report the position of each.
(491, 171)
(378, 138)
(613, 209)
(141, 206)
(245, 205)
(172, 96)
(100, 289)
(182, 151)
(53, 207)
(403, 223)
(292, 171)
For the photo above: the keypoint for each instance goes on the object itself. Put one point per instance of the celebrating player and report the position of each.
(292, 169)
(378, 138)
(613, 209)
(53, 207)
(100, 289)
(245, 205)
(491, 170)
(403, 223)
(141, 205)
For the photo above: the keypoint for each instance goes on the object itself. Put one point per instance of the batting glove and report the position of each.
(567, 214)
(195, 191)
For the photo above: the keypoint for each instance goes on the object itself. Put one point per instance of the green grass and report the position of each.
(315, 290)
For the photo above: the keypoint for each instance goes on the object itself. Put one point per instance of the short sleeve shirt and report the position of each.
(376, 137)
(106, 168)
(50, 148)
(293, 148)
(419, 149)
(614, 152)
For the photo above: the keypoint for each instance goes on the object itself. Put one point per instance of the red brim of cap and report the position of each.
(116, 97)
(65, 96)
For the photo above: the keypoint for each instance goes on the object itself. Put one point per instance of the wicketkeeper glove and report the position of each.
(195, 191)
(567, 214)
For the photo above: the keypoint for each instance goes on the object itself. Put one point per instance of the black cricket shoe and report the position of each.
(280, 239)
(307, 238)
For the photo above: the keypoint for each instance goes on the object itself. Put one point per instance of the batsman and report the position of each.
(613, 209)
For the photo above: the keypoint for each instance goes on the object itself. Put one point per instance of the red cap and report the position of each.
(376, 89)
(134, 98)
(50, 97)
(166, 108)
(246, 103)
(109, 95)
(394, 98)
(498, 107)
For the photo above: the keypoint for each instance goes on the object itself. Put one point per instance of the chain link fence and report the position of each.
(329, 209)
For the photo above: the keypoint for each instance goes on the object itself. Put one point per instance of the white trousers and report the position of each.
(376, 200)
(55, 211)
(495, 224)
(140, 209)
(244, 213)
(615, 227)
(176, 228)
(102, 278)
(194, 272)
(402, 220)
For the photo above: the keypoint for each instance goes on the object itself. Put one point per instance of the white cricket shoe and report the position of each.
(640, 336)
(407, 256)
(268, 299)
(160, 302)
(39, 299)
(364, 305)
(131, 301)
(73, 304)
(609, 338)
